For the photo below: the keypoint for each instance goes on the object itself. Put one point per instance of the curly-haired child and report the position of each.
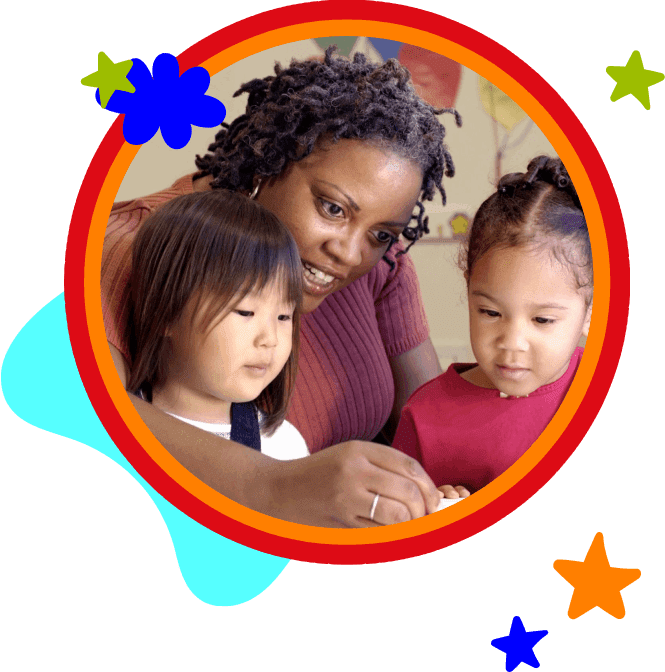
(529, 273)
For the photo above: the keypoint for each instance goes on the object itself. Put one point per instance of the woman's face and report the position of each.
(343, 204)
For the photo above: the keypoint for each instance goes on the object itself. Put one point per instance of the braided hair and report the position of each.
(337, 98)
(540, 207)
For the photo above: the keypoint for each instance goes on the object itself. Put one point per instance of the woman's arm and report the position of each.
(410, 370)
(333, 488)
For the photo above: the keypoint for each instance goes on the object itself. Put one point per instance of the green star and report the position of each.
(633, 79)
(109, 77)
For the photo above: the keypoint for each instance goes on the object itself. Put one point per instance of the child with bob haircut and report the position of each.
(529, 274)
(213, 317)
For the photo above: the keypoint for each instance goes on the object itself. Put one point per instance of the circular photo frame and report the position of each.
(575, 415)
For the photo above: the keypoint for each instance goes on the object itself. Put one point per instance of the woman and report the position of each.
(342, 152)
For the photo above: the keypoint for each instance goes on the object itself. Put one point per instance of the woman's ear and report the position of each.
(587, 319)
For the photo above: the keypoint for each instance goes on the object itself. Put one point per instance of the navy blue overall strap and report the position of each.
(244, 421)
(245, 425)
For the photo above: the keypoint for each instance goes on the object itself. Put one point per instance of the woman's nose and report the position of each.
(346, 247)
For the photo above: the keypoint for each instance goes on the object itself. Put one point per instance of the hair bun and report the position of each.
(506, 189)
(552, 171)
(509, 183)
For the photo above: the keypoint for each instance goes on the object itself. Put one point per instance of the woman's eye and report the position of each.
(244, 313)
(544, 320)
(331, 209)
(384, 237)
(284, 318)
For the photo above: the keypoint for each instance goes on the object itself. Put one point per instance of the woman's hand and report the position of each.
(450, 492)
(336, 487)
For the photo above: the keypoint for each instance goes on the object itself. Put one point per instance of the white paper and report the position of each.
(445, 503)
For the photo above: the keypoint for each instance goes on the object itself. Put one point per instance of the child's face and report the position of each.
(235, 359)
(526, 317)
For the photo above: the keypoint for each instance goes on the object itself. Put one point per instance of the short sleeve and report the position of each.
(399, 307)
(406, 437)
(123, 223)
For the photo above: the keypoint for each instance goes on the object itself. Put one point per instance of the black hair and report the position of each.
(539, 207)
(207, 250)
(332, 97)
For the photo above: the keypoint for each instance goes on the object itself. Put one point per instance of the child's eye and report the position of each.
(244, 313)
(544, 320)
(284, 318)
(331, 209)
(489, 313)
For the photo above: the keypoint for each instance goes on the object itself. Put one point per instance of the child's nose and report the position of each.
(513, 337)
(267, 336)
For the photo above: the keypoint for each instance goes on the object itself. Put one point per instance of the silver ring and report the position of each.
(372, 511)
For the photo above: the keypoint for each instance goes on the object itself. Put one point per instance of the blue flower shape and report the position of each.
(166, 101)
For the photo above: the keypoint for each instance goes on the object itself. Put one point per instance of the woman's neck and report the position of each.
(203, 183)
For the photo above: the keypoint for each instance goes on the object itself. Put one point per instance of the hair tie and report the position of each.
(507, 190)
(562, 181)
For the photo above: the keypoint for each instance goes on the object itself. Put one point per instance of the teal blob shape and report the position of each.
(218, 571)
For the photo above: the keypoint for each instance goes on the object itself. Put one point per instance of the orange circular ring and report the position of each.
(534, 468)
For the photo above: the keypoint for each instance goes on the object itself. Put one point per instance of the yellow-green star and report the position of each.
(633, 79)
(459, 224)
(109, 77)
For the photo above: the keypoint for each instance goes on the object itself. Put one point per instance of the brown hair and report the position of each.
(207, 247)
(539, 207)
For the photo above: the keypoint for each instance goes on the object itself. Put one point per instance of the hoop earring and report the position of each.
(255, 193)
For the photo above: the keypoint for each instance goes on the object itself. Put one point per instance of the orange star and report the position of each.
(596, 583)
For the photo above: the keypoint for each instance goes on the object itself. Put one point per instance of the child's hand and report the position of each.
(450, 492)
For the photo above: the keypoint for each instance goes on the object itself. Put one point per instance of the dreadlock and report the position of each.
(335, 97)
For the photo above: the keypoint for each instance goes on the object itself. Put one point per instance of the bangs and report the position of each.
(211, 306)
(256, 263)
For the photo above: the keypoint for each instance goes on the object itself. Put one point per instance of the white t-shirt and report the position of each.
(286, 443)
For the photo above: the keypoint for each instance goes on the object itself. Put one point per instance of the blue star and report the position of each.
(518, 645)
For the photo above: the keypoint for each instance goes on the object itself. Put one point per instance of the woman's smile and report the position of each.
(319, 282)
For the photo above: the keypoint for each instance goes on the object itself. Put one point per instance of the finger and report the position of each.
(366, 522)
(387, 512)
(395, 487)
(449, 492)
(462, 491)
(392, 460)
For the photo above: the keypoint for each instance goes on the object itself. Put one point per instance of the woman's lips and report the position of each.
(317, 281)
(512, 372)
